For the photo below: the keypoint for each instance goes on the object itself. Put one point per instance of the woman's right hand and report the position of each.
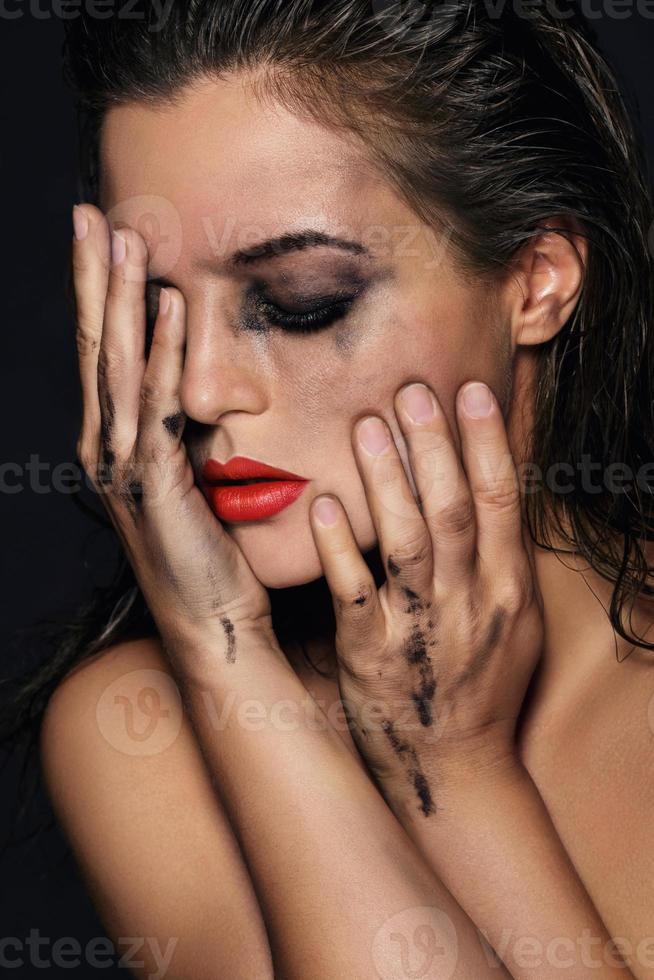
(195, 580)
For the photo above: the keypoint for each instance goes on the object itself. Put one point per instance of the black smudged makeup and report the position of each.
(281, 302)
(296, 313)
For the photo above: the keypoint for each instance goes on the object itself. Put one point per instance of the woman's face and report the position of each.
(206, 182)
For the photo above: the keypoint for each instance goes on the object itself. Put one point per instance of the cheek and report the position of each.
(332, 381)
(444, 346)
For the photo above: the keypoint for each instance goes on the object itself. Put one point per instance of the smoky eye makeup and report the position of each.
(298, 298)
(298, 311)
(265, 307)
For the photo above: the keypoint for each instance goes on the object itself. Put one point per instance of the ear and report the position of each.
(546, 281)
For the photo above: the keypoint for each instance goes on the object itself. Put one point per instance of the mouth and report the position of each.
(245, 489)
(240, 483)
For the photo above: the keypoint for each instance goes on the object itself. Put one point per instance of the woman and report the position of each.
(395, 267)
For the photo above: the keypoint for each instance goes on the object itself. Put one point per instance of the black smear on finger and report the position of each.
(133, 498)
(108, 417)
(106, 472)
(107, 456)
(135, 490)
(416, 604)
(228, 626)
(393, 567)
(173, 423)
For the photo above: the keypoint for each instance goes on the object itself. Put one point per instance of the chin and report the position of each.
(279, 558)
(282, 553)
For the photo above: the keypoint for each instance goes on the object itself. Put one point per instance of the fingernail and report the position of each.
(477, 400)
(326, 511)
(419, 403)
(164, 301)
(118, 248)
(80, 223)
(374, 436)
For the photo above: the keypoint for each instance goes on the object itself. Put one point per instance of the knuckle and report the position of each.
(457, 517)
(101, 474)
(87, 338)
(440, 441)
(357, 602)
(501, 496)
(411, 554)
(152, 394)
(87, 458)
(388, 473)
(103, 363)
(513, 595)
(112, 362)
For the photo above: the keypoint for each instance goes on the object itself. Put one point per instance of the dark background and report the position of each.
(51, 554)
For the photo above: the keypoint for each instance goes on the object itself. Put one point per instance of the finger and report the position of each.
(403, 537)
(446, 501)
(121, 361)
(90, 258)
(161, 419)
(359, 616)
(493, 479)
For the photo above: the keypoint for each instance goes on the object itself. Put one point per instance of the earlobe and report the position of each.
(548, 277)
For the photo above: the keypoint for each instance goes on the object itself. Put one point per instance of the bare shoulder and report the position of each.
(131, 791)
(589, 749)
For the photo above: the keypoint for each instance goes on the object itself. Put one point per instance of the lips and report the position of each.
(233, 500)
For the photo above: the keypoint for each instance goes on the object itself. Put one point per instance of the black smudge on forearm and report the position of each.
(228, 626)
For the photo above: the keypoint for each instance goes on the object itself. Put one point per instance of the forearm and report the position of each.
(330, 863)
(493, 844)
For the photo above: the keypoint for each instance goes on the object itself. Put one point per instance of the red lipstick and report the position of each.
(232, 499)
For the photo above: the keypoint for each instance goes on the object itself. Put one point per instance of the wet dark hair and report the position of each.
(487, 126)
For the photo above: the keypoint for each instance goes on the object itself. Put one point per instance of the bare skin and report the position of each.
(246, 391)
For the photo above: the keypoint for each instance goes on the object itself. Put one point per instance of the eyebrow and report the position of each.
(273, 247)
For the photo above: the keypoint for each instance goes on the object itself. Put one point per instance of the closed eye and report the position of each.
(321, 312)
(307, 315)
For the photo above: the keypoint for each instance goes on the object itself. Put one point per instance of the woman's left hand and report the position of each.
(435, 664)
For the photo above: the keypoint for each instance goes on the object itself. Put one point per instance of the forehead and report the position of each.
(222, 162)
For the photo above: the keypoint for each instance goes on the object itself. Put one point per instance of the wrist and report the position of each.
(455, 776)
(218, 655)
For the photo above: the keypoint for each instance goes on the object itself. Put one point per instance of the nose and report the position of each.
(220, 374)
